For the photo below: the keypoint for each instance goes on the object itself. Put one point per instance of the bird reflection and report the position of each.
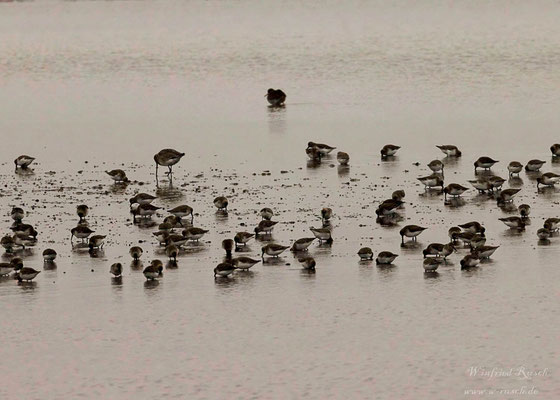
(277, 120)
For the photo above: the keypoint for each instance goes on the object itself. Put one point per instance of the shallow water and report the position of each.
(90, 86)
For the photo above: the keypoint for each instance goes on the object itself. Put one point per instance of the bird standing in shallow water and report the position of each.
(136, 252)
(221, 203)
(116, 270)
(228, 245)
(276, 97)
(167, 158)
(82, 210)
(23, 161)
(154, 270)
(27, 274)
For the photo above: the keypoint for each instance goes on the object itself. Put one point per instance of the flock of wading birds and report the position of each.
(470, 234)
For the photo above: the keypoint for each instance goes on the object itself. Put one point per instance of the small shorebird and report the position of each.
(23, 161)
(17, 263)
(469, 261)
(272, 249)
(177, 240)
(513, 222)
(80, 232)
(49, 255)
(388, 207)
(161, 236)
(221, 203)
(514, 167)
(154, 270)
(473, 227)
(398, 195)
(454, 233)
(82, 210)
(431, 181)
(385, 257)
(552, 224)
(524, 210)
(323, 234)
(555, 149)
(411, 231)
(228, 245)
(534, 165)
(142, 198)
(506, 195)
(477, 241)
(276, 97)
(224, 269)
(23, 240)
(135, 252)
(6, 268)
(308, 263)
(7, 243)
(389, 150)
(326, 214)
(365, 253)
(482, 185)
(17, 214)
(342, 158)
(450, 150)
(485, 251)
(96, 242)
(167, 158)
(116, 270)
(496, 182)
(543, 234)
(182, 211)
(244, 263)
(324, 149)
(144, 210)
(118, 175)
(27, 274)
(547, 179)
(172, 252)
(454, 190)
(24, 229)
(431, 264)
(314, 154)
(265, 226)
(438, 250)
(266, 213)
(302, 244)
(243, 238)
(436, 166)
(484, 163)
(194, 234)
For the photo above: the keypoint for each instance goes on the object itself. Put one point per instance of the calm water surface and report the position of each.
(90, 86)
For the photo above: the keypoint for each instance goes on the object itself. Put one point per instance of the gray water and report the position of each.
(91, 85)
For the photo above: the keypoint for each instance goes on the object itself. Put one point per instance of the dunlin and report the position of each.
(308, 263)
(116, 269)
(534, 165)
(221, 203)
(142, 198)
(547, 179)
(27, 274)
(154, 270)
(243, 238)
(513, 222)
(265, 226)
(182, 211)
(484, 163)
(224, 269)
(450, 150)
(228, 245)
(365, 253)
(454, 190)
(118, 175)
(385, 257)
(136, 252)
(514, 167)
(411, 231)
(272, 249)
(23, 161)
(342, 158)
(49, 255)
(194, 233)
(324, 149)
(323, 234)
(389, 150)
(244, 263)
(266, 213)
(276, 97)
(302, 244)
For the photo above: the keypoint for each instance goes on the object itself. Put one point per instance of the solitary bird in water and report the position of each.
(276, 97)
(23, 161)
(389, 150)
(167, 158)
(221, 203)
